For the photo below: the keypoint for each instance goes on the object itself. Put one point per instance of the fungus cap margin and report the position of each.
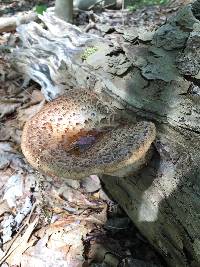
(45, 139)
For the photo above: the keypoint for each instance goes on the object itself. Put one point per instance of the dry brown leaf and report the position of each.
(60, 245)
(11, 131)
(74, 196)
(26, 114)
(6, 108)
(4, 207)
(36, 97)
(98, 217)
(11, 88)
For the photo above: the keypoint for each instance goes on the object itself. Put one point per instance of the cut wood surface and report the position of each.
(152, 75)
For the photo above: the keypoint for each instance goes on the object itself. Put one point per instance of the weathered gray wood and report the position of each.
(149, 78)
(162, 199)
(151, 75)
(8, 24)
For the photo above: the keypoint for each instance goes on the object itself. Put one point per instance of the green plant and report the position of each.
(141, 3)
(88, 52)
(39, 9)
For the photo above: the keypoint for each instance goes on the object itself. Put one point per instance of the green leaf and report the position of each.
(40, 9)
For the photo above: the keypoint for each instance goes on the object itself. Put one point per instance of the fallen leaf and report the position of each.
(36, 97)
(74, 196)
(21, 244)
(13, 131)
(28, 113)
(6, 109)
(61, 245)
(4, 207)
(98, 217)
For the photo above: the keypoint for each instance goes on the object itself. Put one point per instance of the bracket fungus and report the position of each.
(77, 135)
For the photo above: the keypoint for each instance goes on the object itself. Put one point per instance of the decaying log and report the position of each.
(154, 75)
(8, 24)
(162, 199)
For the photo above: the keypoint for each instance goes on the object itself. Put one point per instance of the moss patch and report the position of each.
(88, 52)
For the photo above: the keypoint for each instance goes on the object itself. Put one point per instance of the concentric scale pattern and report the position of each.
(77, 135)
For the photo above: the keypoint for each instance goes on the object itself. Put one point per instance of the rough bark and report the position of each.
(145, 74)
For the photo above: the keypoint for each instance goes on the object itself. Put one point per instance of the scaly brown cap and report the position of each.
(76, 135)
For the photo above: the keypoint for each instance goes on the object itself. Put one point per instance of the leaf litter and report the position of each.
(48, 222)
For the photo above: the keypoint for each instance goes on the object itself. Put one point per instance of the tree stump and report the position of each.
(152, 75)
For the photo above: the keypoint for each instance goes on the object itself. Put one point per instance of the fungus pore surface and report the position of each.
(77, 135)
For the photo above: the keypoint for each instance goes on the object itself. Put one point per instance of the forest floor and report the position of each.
(44, 220)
